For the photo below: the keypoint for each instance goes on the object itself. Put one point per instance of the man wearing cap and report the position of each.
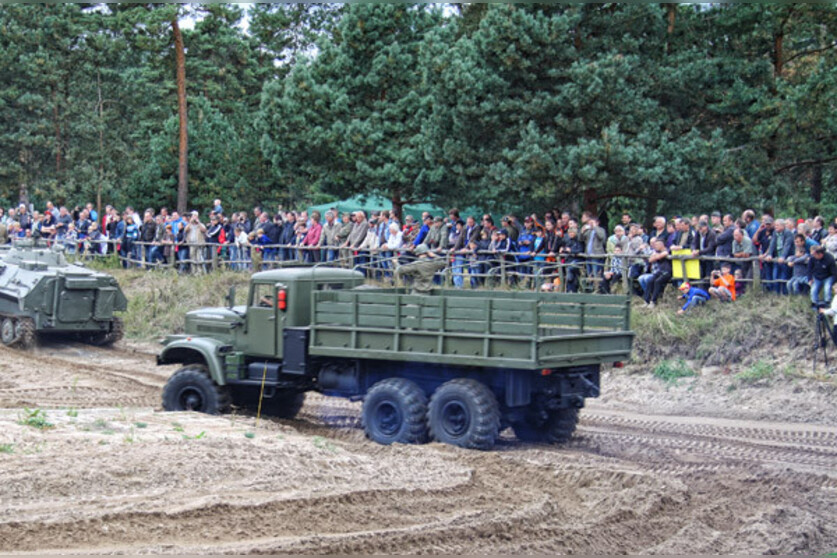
(692, 295)
(423, 270)
(716, 222)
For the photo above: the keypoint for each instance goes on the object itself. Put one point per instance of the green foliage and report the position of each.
(758, 374)
(158, 302)
(499, 106)
(672, 370)
(36, 418)
(722, 333)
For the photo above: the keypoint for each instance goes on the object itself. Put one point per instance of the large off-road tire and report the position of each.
(107, 338)
(464, 413)
(284, 405)
(556, 429)
(192, 389)
(395, 411)
(25, 333)
(7, 332)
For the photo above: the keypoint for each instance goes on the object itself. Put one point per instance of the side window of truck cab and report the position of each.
(263, 296)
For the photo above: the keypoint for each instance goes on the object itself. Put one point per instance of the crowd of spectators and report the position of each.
(793, 256)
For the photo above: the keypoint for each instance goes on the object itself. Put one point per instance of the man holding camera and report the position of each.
(822, 270)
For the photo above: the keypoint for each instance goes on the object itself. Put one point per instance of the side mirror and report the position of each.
(231, 297)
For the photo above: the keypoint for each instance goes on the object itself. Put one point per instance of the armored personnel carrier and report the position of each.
(43, 294)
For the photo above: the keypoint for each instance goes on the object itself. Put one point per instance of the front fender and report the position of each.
(195, 350)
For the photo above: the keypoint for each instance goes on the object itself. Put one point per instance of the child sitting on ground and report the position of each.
(723, 284)
(692, 295)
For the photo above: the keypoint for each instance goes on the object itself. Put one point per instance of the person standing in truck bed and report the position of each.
(422, 270)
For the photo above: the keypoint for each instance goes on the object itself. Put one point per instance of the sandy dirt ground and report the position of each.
(111, 473)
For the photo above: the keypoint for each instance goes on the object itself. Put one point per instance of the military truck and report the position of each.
(452, 366)
(42, 294)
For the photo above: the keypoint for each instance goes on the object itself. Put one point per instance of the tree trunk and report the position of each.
(591, 202)
(398, 207)
(101, 143)
(672, 17)
(23, 188)
(183, 151)
(650, 210)
(816, 184)
(57, 124)
(778, 60)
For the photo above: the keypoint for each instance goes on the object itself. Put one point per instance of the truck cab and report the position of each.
(241, 347)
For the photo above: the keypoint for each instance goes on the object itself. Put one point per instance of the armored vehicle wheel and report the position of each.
(464, 413)
(7, 332)
(395, 411)
(191, 389)
(284, 404)
(25, 333)
(102, 339)
(556, 429)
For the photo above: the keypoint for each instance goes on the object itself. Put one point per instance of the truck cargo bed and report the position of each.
(496, 329)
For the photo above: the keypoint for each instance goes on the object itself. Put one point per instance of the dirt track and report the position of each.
(115, 475)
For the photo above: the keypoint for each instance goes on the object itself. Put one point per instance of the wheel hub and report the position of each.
(455, 418)
(190, 399)
(388, 418)
(8, 331)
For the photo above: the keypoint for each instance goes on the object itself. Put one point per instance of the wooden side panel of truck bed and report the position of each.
(474, 328)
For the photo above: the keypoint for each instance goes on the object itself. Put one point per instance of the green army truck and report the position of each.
(452, 366)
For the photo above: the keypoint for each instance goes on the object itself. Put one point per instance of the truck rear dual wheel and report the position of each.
(395, 411)
(556, 429)
(192, 389)
(464, 413)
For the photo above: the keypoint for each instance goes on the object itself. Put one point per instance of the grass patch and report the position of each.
(36, 418)
(141, 424)
(672, 370)
(158, 300)
(759, 373)
(7, 448)
(720, 334)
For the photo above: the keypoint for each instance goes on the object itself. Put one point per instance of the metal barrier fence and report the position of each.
(465, 270)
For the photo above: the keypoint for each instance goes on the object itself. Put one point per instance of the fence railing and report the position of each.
(462, 269)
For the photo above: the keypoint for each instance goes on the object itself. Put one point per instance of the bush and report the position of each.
(759, 373)
(672, 370)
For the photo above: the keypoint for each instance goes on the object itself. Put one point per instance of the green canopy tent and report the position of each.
(371, 203)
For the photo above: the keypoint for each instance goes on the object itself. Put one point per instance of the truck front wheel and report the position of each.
(191, 389)
(395, 411)
(464, 413)
(556, 429)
